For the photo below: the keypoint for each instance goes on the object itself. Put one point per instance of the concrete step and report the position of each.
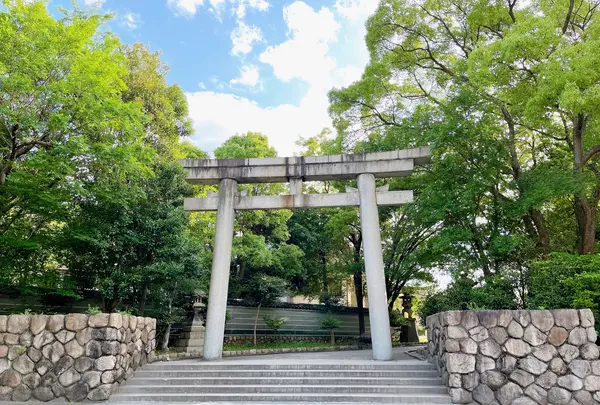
(143, 373)
(179, 366)
(281, 398)
(284, 389)
(399, 382)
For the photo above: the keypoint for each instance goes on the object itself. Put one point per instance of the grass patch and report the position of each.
(281, 345)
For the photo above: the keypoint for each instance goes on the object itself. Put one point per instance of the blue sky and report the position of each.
(251, 65)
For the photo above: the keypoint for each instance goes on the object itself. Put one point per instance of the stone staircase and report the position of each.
(410, 382)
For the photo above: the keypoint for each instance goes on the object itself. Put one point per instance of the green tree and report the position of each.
(164, 105)
(499, 68)
(62, 122)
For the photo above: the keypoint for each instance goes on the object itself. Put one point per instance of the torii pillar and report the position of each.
(365, 168)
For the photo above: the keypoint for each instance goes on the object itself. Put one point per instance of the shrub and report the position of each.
(330, 323)
(275, 323)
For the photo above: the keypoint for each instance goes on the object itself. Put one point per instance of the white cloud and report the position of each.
(218, 116)
(244, 37)
(94, 3)
(202, 85)
(355, 10)
(131, 21)
(259, 5)
(305, 54)
(189, 8)
(249, 76)
(185, 8)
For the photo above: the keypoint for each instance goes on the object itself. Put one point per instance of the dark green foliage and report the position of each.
(275, 323)
(492, 293)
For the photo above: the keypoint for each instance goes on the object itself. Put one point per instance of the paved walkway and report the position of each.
(341, 357)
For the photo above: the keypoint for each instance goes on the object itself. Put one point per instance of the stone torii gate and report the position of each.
(365, 168)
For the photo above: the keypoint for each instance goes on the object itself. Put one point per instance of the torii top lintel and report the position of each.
(311, 168)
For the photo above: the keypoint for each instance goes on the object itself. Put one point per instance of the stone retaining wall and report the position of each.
(73, 356)
(517, 357)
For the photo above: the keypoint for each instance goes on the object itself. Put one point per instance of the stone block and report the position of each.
(69, 377)
(559, 396)
(18, 324)
(53, 352)
(589, 351)
(55, 323)
(74, 349)
(515, 330)
(460, 396)
(77, 392)
(506, 364)
(567, 318)
(65, 336)
(557, 336)
(578, 337)
(3, 323)
(92, 378)
(454, 332)
(547, 380)
(468, 346)
(534, 336)
(98, 320)
(484, 363)
(43, 394)
(490, 348)
(568, 352)
(76, 322)
(483, 395)
(586, 317)
(451, 318)
(23, 364)
(558, 366)
(38, 323)
(583, 397)
(532, 365)
(106, 363)
(470, 381)
(537, 393)
(517, 347)
(545, 352)
(521, 377)
(115, 321)
(542, 319)
(21, 394)
(570, 382)
(101, 393)
(469, 320)
(592, 383)
(508, 393)
(522, 317)
(42, 339)
(499, 334)
(493, 379)
(479, 334)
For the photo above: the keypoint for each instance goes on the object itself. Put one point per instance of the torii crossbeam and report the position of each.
(365, 168)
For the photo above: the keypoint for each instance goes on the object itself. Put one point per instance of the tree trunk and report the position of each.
(142, 306)
(256, 323)
(585, 213)
(325, 281)
(358, 287)
(166, 336)
(332, 336)
(585, 210)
